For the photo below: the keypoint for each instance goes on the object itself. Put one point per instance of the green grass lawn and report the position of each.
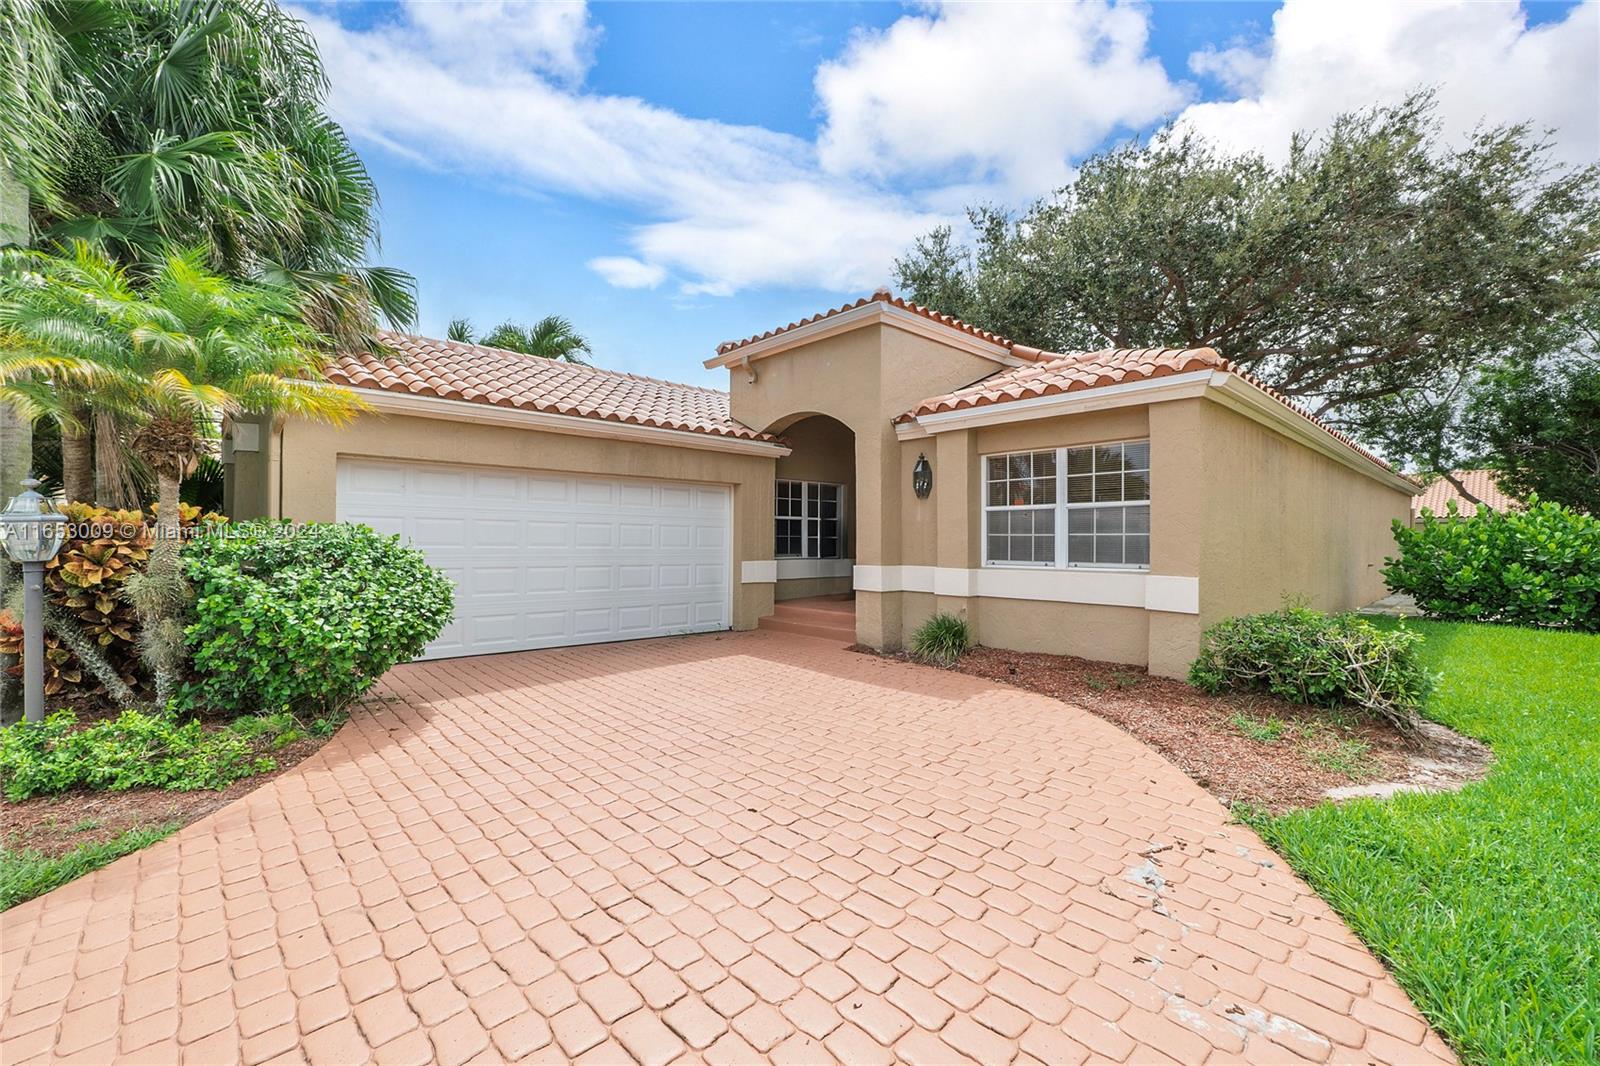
(1485, 903)
(25, 874)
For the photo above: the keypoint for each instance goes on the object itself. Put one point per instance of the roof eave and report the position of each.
(1220, 386)
(385, 401)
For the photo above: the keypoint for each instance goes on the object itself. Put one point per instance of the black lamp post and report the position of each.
(33, 533)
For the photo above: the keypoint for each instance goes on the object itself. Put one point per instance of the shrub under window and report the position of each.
(941, 639)
(1535, 567)
(1308, 657)
(305, 618)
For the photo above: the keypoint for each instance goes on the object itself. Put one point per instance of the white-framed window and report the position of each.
(1085, 506)
(808, 520)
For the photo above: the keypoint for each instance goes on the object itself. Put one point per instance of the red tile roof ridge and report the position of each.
(884, 296)
(582, 367)
(409, 364)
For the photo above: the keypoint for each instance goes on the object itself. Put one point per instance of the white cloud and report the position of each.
(948, 106)
(626, 272)
(1487, 65)
(719, 197)
(497, 91)
(554, 37)
(1006, 93)
(1238, 68)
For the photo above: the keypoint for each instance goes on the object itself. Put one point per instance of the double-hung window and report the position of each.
(808, 520)
(1069, 507)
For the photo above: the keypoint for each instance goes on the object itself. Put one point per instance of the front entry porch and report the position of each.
(829, 617)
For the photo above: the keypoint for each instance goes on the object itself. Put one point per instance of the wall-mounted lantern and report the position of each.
(922, 477)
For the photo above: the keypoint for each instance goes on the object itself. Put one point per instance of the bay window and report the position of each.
(808, 520)
(1084, 506)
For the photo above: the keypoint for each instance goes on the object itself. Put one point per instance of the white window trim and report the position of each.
(806, 521)
(1060, 507)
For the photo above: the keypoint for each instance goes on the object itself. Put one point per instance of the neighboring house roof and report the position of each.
(883, 296)
(1112, 366)
(1481, 483)
(475, 373)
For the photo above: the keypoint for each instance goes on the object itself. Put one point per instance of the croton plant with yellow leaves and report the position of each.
(84, 582)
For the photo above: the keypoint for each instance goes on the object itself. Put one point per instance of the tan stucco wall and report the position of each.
(947, 529)
(1248, 512)
(305, 488)
(823, 450)
(1281, 519)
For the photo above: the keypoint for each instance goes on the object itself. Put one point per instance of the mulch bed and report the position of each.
(55, 825)
(1196, 731)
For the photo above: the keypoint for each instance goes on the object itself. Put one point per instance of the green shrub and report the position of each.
(941, 639)
(1535, 567)
(134, 750)
(1320, 660)
(304, 618)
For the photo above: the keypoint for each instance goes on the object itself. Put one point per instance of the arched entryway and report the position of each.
(813, 520)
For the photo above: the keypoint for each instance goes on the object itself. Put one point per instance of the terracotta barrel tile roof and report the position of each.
(422, 366)
(1112, 366)
(883, 296)
(1481, 483)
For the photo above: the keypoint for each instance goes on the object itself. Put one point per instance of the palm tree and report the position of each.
(552, 337)
(198, 123)
(147, 124)
(52, 336)
(172, 354)
(460, 329)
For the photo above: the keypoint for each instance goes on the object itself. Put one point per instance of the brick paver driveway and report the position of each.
(726, 848)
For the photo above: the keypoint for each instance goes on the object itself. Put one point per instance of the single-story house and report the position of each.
(1108, 505)
(1440, 492)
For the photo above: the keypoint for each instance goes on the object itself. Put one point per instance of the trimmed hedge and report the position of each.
(1535, 567)
(304, 618)
(1320, 660)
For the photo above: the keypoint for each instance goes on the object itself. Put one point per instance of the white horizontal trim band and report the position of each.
(758, 572)
(466, 411)
(789, 569)
(1111, 588)
(761, 571)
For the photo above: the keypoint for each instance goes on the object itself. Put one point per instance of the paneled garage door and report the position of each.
(544, 559)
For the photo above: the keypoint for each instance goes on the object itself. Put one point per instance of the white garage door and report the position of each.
(544, 559)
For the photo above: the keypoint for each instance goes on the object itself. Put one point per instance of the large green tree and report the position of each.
(1370, 276)
(1538, 424)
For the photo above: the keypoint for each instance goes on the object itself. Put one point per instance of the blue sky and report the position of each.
(670, 176)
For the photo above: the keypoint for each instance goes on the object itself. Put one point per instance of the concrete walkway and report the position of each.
(732, 849)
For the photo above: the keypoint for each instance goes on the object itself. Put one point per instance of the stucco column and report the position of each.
(1178, 501)
(957, 481)
(878, 615)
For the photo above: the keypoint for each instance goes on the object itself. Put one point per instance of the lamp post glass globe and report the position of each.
(33, 533)
(32, 530)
